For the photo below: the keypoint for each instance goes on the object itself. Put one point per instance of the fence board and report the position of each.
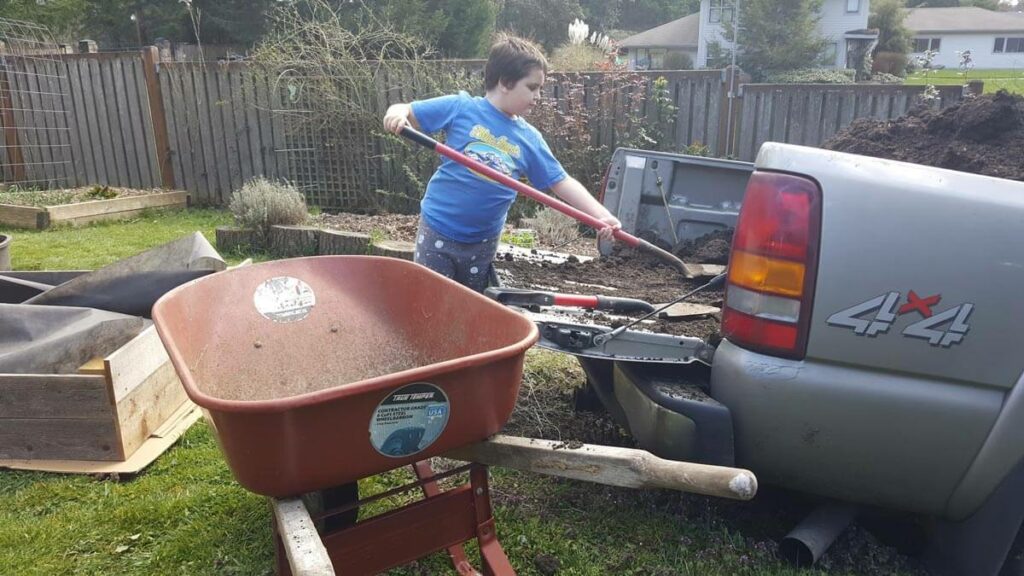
(217, 134)
(149, 156)
(85, 166)
(226, 106)
(126, 119)
(241, 126)
(195, 97)
(252, 123)
(168, 83)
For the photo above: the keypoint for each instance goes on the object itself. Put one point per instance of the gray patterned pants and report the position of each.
(467, 264)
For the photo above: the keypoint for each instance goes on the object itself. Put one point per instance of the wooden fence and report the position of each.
(126, 119)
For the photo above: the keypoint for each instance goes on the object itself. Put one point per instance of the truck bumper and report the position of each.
(665, 408)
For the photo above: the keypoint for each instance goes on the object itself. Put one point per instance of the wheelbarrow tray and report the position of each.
(320, 371)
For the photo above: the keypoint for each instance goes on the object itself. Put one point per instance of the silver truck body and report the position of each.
(912, 403)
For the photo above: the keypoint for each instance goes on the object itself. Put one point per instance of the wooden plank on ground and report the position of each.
(59, 438)
(148, 406)
(52, 396)
(682, 310)
(306, 553)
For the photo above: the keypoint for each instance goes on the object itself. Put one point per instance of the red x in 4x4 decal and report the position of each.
(922, 305)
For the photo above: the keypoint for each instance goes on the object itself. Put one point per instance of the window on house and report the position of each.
(1009, 45)
(720, 11)
(853, 5)
(922, 45)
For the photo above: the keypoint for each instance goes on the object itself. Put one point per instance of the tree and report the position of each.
(61, 17)
(778, 35)
(458, 28)
(887, 17)
(469, 30)
(544, 21)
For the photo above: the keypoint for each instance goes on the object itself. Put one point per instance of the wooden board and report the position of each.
(21, 216)
(306, 553)
(55, 438)
(84, 212)
(158, 443)
(148, 406)
(54, 396)
(133, 363)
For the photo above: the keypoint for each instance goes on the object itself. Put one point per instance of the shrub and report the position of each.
(552, 226)
(678, 61)
(883, 78)
(261, 203)
(578, 58)
(813, 76)
(890, 63)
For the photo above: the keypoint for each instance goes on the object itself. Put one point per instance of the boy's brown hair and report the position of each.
(510, 60)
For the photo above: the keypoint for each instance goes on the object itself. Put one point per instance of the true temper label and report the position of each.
(409, 420)
(284, 299)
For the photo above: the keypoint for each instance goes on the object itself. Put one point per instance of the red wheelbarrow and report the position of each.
(316, 372)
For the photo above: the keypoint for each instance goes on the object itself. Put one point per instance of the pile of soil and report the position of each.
(983, 135)
(631, 274)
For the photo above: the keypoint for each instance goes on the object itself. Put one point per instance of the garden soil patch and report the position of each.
(983, 135)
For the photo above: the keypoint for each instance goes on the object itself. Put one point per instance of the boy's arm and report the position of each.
(570, 190)
(399, 116)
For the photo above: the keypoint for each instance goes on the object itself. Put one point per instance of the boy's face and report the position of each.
(519, 99)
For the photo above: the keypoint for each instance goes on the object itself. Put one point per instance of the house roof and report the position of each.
(681, 33)
(965, 19)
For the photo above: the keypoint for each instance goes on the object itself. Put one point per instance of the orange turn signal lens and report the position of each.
(763, 274)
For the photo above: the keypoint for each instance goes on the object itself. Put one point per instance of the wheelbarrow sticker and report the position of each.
(409, 420)
(284, 299)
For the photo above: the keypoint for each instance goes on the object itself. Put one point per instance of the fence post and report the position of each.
(150, 60)
(729, 117)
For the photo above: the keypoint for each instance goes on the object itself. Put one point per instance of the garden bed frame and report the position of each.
(83, 212)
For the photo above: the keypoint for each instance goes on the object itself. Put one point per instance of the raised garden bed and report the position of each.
(39, 210)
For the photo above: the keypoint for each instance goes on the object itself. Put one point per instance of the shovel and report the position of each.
(524, 298)
(575, 213)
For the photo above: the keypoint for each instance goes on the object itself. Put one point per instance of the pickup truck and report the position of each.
(868, 354)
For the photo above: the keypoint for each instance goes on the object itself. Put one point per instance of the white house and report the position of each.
(995, 39)
(649, 48)
(843, 23)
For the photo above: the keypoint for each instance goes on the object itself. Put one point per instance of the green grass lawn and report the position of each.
(185, 515)
(995, 80)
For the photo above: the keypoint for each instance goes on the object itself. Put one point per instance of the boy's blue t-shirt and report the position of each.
(461, 204)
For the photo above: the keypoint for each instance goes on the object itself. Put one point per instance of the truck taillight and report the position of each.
(772, 265)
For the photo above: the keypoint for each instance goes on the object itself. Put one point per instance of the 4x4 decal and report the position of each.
(939, 329)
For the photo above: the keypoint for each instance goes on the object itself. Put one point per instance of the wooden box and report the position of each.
(103, 413)
(85, 212)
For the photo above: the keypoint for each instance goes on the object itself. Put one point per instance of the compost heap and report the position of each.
(630, 274)
(983, 135)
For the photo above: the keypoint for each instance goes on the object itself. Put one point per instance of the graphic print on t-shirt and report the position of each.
(496, 153)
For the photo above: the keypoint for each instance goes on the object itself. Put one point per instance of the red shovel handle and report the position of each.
(581, 216)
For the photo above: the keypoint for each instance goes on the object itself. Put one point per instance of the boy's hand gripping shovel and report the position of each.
(481, 168)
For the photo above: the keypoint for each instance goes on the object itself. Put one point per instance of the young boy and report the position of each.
(462, 213)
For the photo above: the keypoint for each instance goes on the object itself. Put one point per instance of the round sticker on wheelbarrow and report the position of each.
(284, 299)
(409, 420)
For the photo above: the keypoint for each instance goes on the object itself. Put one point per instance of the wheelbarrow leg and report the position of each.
(430, 489)
(495, 562)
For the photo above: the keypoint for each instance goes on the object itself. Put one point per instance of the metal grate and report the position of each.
(36, 149)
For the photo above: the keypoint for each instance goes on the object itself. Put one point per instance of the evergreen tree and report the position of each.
(778, 35)
(887, 17)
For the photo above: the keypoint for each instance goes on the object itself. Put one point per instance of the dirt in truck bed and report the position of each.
(983, 135)
(630, 274)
